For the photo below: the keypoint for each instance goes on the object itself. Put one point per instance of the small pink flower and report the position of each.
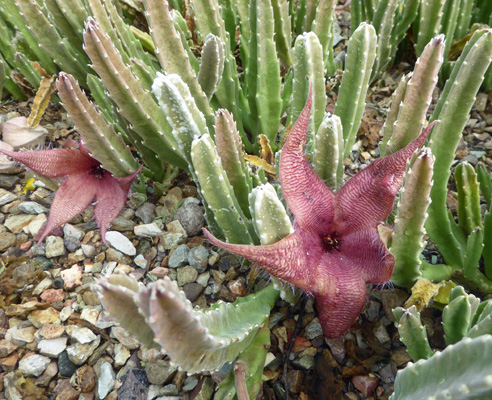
(83, 181)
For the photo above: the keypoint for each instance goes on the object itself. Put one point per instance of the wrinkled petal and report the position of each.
(340, 304)
(309, 199)
(72, 197)
(284, 259)
(54, 163)
(364, 252)
(367, 199)
(18, 134)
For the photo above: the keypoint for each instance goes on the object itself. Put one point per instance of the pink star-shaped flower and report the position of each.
(83, 181)
(335, 249)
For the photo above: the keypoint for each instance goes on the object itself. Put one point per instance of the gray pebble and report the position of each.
(191, 218)
(198, 258)
(146, 212)
(71, 243)
(179, 256)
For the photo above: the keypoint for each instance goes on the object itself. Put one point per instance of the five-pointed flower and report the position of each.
(335, 249)
(83, 181)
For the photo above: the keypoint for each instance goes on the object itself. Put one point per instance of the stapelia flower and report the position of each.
(83, 181)
(335, 249)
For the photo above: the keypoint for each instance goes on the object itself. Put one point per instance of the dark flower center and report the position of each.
(97, 171)
(331, 241)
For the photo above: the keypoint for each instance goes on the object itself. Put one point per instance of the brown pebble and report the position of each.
(85, 378)
(65, 391)
(159, 272)
(238, 287)
(53, 295)
(365, 384)
(6, 348)
(294, 380)
(91, 299)
(51, 331)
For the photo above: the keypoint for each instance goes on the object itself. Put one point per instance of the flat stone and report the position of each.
(50, 331)
(6, 348)
(147, 230)
(35, 225)
(9, 363)
(46, 283)
(365, 384)
(313, 329)
(54, 247)
(72, 277)
(127, 340)
(91, 298)
(198, 258)
(52, 347)
(192, 291)
(295, 379)
(85, 379)
(9, 181)
(121, 243)
(88, 250)
(106, 380)
(146, 212)
(121, 224)
(15, 223)
(48, 374)
(33, 364)
(105, 320)
(113, 255)
(9, 389)
(81, 334)
(72, 231)
(31, 207)
(64, 391)
(90, 314)
(186, 274)
(53, 295)
(159, 372)
(6, 197)
(7, 240)
(134, 385)
(20, 335)
(121, 354)
(170, 240)
(179, 256)
(141, 262)
(79, 353)
(40, 317)
(203, 279)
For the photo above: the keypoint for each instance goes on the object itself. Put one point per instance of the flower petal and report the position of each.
(365, 253)
(111, 195)
(367, 199)
(284, 259)
(309, 199)
(72, 197)
(54, 163)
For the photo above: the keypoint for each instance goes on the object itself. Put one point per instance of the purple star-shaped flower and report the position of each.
(335, 249)
(84, 180)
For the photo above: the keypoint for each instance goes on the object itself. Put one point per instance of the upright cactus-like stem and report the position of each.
(283, 31)
(230, 149)
(384, 29)
(309, 73)
(469, 215)
(323, 28)
(218, 193)
(452, 110)
(100, 138)
(212, 65)
(60, 50)
(457, 316)
(263, 73)
(350, 105)
(411, 109)
(412, 333)
(464, 18)
(328, 151)
(170, 51)
(407, 241)
(136, 105)
(3, 77)
(429, 23)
